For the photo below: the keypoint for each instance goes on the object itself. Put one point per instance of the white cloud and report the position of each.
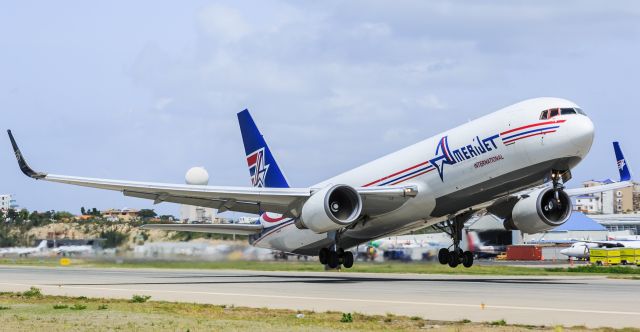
(222, 23)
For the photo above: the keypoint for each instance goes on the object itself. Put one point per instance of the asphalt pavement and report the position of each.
(592, 301)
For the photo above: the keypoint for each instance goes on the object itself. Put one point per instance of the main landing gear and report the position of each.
(334, 258)
(456, 256)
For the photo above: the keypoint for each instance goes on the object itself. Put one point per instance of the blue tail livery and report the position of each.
(263, 168)
(623, 167)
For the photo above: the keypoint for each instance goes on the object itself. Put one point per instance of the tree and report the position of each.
(62, 215)
(83, 211)
(147, 213)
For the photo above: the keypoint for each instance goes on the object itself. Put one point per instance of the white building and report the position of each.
(623, 200)
(197, 214)
(7, 202)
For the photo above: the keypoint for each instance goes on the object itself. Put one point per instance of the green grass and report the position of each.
(40, 314)
(313, 266)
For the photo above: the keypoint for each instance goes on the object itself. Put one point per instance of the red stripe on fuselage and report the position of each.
(266, 218)
(532, 125)
(396, 173)
(413, 176)
(534, 134)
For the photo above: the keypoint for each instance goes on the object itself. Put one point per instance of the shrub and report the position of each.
(60, 306)
(139, 298)
(103, 307)
(498, 323)
(346, 318)
(78, 306)
(32, 292)
(4, 308)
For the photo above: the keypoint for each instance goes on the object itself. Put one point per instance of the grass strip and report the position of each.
(58, 313)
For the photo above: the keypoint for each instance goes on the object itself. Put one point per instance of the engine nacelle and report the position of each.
(540, 211)
(330, 209)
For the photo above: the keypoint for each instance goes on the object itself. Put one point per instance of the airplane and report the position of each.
(481, 249)
(73, 250)
(512, 163)
(581, 249)
(24, 251)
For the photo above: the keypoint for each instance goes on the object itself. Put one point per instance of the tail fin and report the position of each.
(623, 167)
(263, 168)
(42, 245)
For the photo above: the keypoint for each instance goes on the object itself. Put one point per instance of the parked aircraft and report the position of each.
(512, 163)
(73, 250)
(24, 251)
(481, 249)
(581, 249)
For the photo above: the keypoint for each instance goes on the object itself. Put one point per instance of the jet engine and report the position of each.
(540, 211)
(330, 209)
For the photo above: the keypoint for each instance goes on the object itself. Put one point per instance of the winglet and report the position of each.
(24, 167)
(623, 167)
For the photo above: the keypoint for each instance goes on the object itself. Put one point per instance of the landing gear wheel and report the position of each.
(443, 256)
(323, 255)
(347, 259)
(333, 260)
(454, 259)
(467, 259)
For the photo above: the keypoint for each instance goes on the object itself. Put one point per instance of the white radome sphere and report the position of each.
(197, 176)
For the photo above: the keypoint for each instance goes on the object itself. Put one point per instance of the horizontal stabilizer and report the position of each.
(240, 229)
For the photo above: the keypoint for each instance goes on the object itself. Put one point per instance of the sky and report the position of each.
(144, 90)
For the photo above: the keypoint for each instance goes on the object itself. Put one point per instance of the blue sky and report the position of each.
(143, 90)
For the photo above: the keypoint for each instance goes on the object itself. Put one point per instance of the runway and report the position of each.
(590, 301)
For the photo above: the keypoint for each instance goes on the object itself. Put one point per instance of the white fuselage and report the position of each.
(472, 164)
(581, 249)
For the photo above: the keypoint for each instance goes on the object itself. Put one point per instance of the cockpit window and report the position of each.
(550, 113)
(543, 116)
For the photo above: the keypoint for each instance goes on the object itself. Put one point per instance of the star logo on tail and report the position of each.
(257, 168)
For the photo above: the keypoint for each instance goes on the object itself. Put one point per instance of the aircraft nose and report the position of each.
(565, 251)
(582, 132)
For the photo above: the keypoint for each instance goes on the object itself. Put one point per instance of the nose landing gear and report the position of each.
(457, 256)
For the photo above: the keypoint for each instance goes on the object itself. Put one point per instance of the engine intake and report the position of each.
(331, 208)
(540, 211)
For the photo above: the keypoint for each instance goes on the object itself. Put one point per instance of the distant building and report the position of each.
(120, 215)
(7, 202)
(619, 222)
(624, 200)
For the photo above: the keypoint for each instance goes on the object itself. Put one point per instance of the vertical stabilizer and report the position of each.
(623, 167)
(263, 168)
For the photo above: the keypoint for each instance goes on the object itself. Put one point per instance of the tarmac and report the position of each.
(592, 301)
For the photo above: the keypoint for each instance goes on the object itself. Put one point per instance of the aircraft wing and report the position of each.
(242, 229)
(284, 201)
(598, 189)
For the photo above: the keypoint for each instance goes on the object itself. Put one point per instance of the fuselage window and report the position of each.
(565, 111)
(543, 116)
